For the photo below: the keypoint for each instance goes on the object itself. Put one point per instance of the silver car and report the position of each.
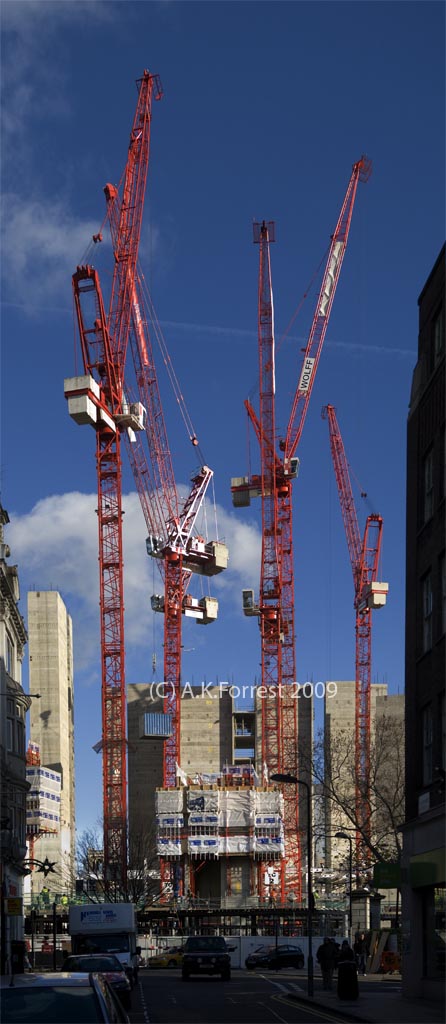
(59, 996)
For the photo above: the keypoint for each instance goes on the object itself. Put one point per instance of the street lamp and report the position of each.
(13, 694)
(343, 835)
(285, 777)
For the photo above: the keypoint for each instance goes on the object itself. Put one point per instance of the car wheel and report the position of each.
(171, 963)
(300, 964)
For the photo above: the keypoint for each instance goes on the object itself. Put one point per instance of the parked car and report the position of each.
(59, 996)
(275, 957)
(170, 957)
(206, 954)
(108, 965)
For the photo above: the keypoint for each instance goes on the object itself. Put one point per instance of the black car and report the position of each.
(274, 957)
(206, 954)
(108, 965)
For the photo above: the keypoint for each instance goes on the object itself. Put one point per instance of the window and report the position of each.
(20, 816)
(427, 612)
(427, 745)
(15, 728)
(442, 594)
(443, 732)
(20, 737)
(439, 918)
(9, 656)
(442, 483)
(438, 336)
(428, 486)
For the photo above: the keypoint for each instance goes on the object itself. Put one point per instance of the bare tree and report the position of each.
(332, 765)
(142, 867)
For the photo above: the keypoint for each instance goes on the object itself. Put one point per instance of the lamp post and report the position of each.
(343, 835)
(13, 694)
(287, 778)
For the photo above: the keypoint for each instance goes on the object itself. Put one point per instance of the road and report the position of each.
(254, 998)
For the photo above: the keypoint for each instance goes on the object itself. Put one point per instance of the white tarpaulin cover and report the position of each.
(236, 844)
(169, 801)
(168, 847)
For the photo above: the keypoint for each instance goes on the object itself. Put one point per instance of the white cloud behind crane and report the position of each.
(56, 546)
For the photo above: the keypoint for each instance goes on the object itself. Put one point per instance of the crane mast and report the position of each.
(368, 594)
(279, 466)
(98, 399)
(170, 522)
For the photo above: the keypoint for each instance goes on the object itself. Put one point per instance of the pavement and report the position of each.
(380, 1000)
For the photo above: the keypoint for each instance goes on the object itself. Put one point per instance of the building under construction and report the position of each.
(221, 828)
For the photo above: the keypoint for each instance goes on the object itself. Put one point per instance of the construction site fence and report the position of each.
(169, 920)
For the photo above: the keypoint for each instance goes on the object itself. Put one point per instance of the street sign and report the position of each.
(14, 906)
(387, 875)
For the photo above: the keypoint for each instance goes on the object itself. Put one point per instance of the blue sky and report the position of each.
(266, 107)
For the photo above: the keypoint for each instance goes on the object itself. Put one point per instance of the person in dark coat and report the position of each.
(347, 975)
(361, 951)
(326, 957)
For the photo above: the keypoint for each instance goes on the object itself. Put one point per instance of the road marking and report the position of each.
(270, 1010)
(315, 1010)
(278, 984)
(144, 1004)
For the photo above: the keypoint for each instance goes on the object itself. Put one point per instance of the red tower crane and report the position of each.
(275, 608)
(98, 398)
(368, 594)
(102, 398)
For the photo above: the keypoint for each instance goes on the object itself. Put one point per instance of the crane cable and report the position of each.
(169, 366)
(176, 388)
(305, 295)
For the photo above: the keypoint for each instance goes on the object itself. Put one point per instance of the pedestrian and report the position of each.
(326, 957)
(361, 951)
(347, 976)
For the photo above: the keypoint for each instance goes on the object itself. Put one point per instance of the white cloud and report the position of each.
(43, 243)
(56, 547)
(29, 72)
(244, 545)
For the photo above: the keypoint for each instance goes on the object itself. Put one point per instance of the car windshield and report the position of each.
(98, 943)
(208, 943)
(92, 963)
(49, 1005)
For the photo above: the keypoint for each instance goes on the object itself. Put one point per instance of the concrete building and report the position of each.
(220, 746)
(52, 729)
(14, 704)
(423, 867)
(387, 760)
(206, 743)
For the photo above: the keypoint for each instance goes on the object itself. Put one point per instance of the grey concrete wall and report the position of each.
(50, 645)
